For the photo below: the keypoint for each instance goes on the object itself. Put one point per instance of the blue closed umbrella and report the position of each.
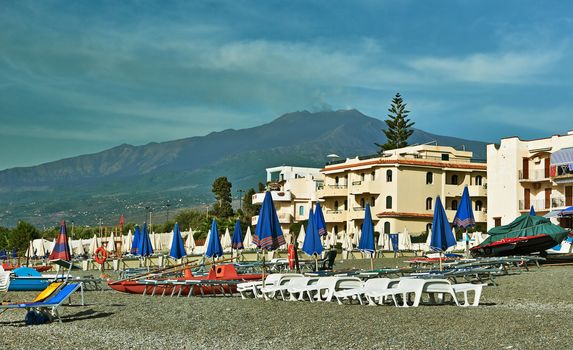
(14, 253)
(136, 239)
(442, 236)
(214, 248)
(177, 248)
(144, 247)
(312, 244)
(532, 211)
(366, 244)
(465, 215)
(237, 239)
(319, 220)
(268, 233)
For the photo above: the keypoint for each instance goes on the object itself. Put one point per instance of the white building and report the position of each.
(525, 173)
(293, 190)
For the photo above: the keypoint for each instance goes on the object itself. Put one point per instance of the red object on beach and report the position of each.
(226, 272)
(41, 268)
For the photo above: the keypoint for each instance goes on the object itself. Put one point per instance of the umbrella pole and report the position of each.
(440, 261)
(263, 274)
(371, 261)
(315, 262)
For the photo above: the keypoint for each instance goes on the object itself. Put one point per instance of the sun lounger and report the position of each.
(51, 305)
(416, 287)
(297, 287)
(281, 287)
(4, 282)
(325, 291)
(254, 288)
(370, 286)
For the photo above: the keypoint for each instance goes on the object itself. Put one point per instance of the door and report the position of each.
(569, 196)
(525, 168)
(547, 167)
(526, 198)
(547, 198)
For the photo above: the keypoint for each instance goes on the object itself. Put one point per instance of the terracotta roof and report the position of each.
(476, 166)
(393, 214)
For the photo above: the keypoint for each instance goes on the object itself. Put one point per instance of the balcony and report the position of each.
(278, 196)
(535, 175)
(538, 205)
(332, 191)
(457, 190)
(284, 218)
(335, 215)
(359, 187)
(356, 213)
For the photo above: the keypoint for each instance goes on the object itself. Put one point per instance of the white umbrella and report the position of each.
(226, 241)
(40, 247)
(429, 239)
(356, 238)
(301, 236)
(110, 247)
(248, 240)
(207, 241)
(404, 240)
(381, 241)
(78, 248)
(95, 243)
(332, 239)
(190, 242)
(127, 242)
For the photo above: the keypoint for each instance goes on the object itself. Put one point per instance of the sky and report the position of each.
(79, 77)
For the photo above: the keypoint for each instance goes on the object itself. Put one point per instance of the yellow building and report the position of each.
(525, 173)
(401, 187)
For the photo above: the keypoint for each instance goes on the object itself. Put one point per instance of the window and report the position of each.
(335, 205)
(346, 204)
(373, 175)
(445, 156)
(454, 179)
(388, 175)
(497, 221)
(362, 177)
(362, 203)
(388, 202)
(336, 180)
(478, 205)
(429, 178)
(372, 201)
(387, 227)
(478, 180)
(454, 205)
(429, 203)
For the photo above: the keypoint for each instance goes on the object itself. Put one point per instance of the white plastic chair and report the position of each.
(4, 282)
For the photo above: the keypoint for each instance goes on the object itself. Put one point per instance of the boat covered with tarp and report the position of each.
(525, 235)
(221, 279)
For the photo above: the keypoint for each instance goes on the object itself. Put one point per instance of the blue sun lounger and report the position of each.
(50, 305)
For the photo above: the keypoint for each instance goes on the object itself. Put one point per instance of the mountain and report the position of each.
(126, 178)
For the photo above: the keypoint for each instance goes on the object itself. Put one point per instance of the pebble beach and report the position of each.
(527, 310)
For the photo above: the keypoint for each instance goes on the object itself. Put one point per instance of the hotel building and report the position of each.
(525, 173)
(401, 187)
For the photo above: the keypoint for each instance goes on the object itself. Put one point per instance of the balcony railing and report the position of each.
(538, 204)
(358, 209)
(534, 174)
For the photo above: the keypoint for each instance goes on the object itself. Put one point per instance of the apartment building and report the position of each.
(401, 187)
(293, 190)
(525, 173)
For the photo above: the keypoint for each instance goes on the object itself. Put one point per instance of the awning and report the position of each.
(563, 156)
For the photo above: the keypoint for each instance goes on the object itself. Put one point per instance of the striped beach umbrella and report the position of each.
(61, 248)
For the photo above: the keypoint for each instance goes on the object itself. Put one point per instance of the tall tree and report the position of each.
(399, 127)
(222, 190)
(250, 209)
(21, 235)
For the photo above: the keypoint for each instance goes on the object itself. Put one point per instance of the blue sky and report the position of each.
(81, 76)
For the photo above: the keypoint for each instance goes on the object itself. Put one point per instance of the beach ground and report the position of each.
(527, 310)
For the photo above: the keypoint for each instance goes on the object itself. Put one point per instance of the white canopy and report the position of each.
(110, 246)
(190, 242)
(248, 240)
(226, 243)
(127, 241)
(301, 236)
(404, 240)
(94, 244)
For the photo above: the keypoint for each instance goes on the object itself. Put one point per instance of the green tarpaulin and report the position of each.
(524, 226)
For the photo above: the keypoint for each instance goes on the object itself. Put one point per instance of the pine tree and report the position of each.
(399, 127)
(222, 190)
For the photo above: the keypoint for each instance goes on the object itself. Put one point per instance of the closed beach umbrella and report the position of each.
(177, 249)
(301, 235)
(206, 244)
(94, 244)
(237, 240)
(356, 237)
(319, 220)
(190, 242)
(404, 240)
(312, 245)
(268, 233)
(127, 241)
(248, 241)
(61, 248)
(144, 248)
(136, 239)
(110, 247)
(442, 237)
(532, 211)
(332, 239)
(366, 244)
(226, 240)
(78, 248)
(214, 248)
(464, 215)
